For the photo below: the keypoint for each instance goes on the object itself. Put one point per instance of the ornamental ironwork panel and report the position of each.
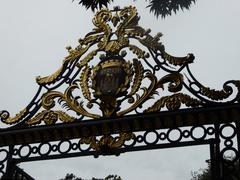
(116, 69)
(115, 89)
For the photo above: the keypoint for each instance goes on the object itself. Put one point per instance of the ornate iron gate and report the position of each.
(116, 89)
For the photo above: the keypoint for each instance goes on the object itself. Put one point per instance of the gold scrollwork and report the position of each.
(109, 82)
(152, 42)
(50, 117)
(138, 68)
(220, 94)
(174, 102)
(178, 61)
(100, 21)
(74, 54)
(136, 50)
(175, 81)
(107, 141)
(70, 102)
(5, 116)
(84, 80)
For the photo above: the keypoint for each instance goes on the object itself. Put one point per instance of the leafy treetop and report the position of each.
(161, 8)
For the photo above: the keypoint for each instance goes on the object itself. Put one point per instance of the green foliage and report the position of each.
(161, 8)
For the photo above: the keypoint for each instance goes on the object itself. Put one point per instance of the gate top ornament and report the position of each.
(100, 75)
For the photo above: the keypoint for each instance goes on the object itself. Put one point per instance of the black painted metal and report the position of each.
(21, 143)
(212, 134)
(16, 174)
(133, 123)
(212, 120)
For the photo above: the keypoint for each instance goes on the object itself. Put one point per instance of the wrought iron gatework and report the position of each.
(116, 89)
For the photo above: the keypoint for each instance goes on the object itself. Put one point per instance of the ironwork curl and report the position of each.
(108, 71)
(79, 75)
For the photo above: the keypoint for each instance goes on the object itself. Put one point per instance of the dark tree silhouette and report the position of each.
(202, 174)
(94, 4)
(205, 174)
(164, 8)
(109, 177)
(161, 8)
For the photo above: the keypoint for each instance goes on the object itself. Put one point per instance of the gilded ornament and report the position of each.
(107, 141)
(138, 68)
(174, 102)
(220, 94)
(152, 42)
(50, 117)
(117, 82)
(48, 101)
(84, 80)
(5, 116)
(140, 53)
(178, 61)
(74, 54)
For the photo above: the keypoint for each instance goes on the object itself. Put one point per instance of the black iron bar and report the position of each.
(117, 151)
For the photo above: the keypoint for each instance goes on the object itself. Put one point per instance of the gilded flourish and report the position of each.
(152, 42)
(100, 21)
(174, 102)
(146, 95)
(107, 141)
(138, 76)
(174, 80)
(48, 101)
(130, 20)
(111, 68)
(49, 79)
(88, 58)
(5, 117)
(84, 79)
(220, 94)
(74, 55)
(136, 50)
(50, 117)
(178, 61)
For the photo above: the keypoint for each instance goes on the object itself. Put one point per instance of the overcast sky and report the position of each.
(33, 37)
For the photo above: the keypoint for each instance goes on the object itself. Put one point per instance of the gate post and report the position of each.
(9, 164)
(238, 143)
(214, 160)
(215, 154)
(229, 151)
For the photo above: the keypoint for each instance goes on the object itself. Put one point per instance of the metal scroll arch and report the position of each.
(105, 48)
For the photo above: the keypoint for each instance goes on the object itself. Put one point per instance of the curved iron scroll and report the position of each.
(117, 69)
